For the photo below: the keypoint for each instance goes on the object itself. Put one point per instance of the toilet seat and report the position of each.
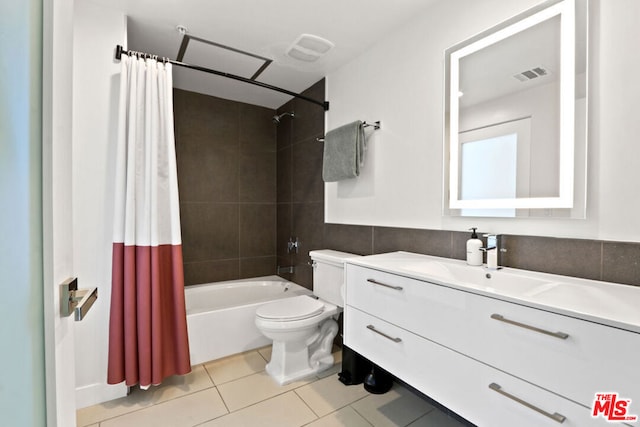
(289, 309)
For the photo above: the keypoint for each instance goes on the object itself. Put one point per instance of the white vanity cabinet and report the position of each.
(494, 362)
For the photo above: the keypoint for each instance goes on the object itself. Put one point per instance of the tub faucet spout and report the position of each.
(288, 269)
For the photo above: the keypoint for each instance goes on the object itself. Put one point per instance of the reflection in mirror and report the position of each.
(515, 116)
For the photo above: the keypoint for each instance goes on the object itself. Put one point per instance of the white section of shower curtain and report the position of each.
(146, 205)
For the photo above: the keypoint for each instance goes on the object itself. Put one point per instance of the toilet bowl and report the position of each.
(302, 328)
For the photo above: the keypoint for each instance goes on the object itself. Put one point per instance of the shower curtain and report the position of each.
(147, 326)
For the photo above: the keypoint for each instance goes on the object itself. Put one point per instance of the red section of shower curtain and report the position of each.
(147, 328)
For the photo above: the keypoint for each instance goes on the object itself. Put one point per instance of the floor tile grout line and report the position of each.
(309, 382)
(109, 418)
(420, 416)
(154, 404)
(358, 412)
(229, 357)
(335, 409)
(307, 405)
(427, 413)
(261, 355)
(213, 385)
(189, 393)
(223, 402)
(219, 416)
(240, 377)
(257, 403)
(424, 415)
(169, 400)
(209, 375)
(270, 397)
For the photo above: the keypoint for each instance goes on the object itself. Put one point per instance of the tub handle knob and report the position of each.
(293, 245)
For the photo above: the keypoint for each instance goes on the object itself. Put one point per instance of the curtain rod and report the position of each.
(324, 104)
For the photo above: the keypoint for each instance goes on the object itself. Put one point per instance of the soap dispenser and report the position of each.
(474, 254)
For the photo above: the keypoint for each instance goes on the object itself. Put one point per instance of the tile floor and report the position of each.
(236, 391)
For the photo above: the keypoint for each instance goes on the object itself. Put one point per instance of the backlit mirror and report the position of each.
(515, 116)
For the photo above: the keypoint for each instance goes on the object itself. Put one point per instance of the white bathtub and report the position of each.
(220, 315)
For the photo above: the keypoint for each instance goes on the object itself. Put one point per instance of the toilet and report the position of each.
(303, 327)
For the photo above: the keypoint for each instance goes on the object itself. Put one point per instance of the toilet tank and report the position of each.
(328, 274)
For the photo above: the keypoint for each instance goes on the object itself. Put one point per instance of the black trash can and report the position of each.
(354, 367)
(357, 370)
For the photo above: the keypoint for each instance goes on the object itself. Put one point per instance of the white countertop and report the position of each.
(606, 303)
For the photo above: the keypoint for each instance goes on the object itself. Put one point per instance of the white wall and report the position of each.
(400, 82)
(616, 124)
(97, 30)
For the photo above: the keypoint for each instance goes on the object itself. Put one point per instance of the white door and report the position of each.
(57, 202)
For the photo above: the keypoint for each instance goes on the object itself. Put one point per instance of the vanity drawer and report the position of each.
(412, 304)
(572, 357)
(456, 381)
(576, 367)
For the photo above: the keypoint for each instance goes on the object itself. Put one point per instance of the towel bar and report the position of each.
(376, 125)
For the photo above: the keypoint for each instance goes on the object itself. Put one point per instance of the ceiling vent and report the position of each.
(531, 74)
(309, 48)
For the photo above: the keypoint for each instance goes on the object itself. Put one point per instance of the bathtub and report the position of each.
(220, 315)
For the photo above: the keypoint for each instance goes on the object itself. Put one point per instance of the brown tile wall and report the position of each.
(589, 259)
(300, 196)
(247, 185)
(226, 154)
(300, 189)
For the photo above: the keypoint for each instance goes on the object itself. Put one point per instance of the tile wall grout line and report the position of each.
(373, 239)
(237, 189)
(292, 123)
(601, 260)
(451, 254)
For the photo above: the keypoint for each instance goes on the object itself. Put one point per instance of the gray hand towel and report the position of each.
(343, 151)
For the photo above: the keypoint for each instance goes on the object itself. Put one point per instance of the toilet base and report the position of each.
(295, 360)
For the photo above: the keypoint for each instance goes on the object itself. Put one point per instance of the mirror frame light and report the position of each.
(566, 10)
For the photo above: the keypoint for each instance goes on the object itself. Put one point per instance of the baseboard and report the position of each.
(93, 394)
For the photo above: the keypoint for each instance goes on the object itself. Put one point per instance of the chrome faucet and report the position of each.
(492, 251)
(293, 245)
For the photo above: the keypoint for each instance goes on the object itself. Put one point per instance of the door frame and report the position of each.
(57, 85)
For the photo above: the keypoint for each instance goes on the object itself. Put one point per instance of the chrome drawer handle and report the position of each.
(373, 328)
(501, 318)
(555, 416)
(375, 282)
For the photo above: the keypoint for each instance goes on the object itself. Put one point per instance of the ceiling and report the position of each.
(262, 27)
